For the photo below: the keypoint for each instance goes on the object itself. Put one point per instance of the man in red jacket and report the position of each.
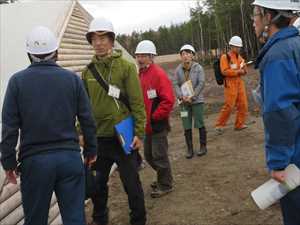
(159, 100)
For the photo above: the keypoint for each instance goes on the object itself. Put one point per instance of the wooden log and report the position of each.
(53, 200)
(53, 213)
(57, 221)
(10, 204)
(8, 190)
(75, 31)
(74, 41)
(74, 36)
(78, 18)
(76, 10)
(83, 25)
(75, 51)
(75, 68)
(79, 15)
(73, 63)
(75, 46)
(14, 217)
(74, 57)
(77, 27)
(21, 222)
(2, 179)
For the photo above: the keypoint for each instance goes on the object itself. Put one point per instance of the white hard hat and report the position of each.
(41, 41)
(146, 47)
(293, 5)
(100, 24)
(236, 41)
(187, 47)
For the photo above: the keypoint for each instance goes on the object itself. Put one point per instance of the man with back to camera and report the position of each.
(41, 105)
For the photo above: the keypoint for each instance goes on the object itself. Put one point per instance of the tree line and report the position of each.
(212, 23)
(7, 1)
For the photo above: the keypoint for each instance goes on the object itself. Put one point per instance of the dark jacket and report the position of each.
(41, 104)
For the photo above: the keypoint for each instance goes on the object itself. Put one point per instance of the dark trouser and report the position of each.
(290, 207)
(60, 171)
(203, 136)
(109, 152)
(156, 154)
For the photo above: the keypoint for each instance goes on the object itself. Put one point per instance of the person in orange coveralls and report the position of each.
(233, 67)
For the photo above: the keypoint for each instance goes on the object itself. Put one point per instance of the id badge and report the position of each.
(233, 66)
(114, 92)
(151, 94)
(184, 114)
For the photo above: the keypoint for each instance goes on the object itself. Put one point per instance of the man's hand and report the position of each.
(278, 175)
(11, 176)
(189, 99)
(90, 160)
(136, 143)
(81, 140)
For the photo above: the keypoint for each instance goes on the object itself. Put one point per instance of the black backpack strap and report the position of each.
(122, 98)
(98, 77)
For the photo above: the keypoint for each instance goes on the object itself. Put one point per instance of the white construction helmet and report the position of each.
(187, 47)
(146, 47)
(236, 41)
(40, 41)
(101, 25)
(290, 5)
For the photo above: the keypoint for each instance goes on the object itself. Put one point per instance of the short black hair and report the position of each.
(43, 56)
(281, 22)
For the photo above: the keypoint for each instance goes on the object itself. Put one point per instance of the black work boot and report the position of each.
(189, 142)
(203, 139)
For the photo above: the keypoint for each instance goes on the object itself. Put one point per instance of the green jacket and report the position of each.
(105, 109)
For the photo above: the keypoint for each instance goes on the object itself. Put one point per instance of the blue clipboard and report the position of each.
(125, 133)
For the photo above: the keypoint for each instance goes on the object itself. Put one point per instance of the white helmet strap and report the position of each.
(47, 58)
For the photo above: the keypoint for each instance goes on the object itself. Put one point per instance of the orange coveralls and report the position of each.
(234, 91)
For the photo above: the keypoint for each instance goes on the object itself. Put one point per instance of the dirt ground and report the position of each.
(210, 190)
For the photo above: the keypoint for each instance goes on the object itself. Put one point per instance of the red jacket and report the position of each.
(158, 108)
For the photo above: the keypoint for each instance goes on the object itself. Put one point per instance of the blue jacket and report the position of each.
(42, 103)
(279, 65)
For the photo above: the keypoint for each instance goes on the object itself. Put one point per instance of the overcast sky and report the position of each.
(140, 15)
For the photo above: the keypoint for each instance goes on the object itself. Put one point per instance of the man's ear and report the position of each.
(268, 18)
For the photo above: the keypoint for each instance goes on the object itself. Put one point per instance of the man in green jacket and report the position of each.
(109, 110)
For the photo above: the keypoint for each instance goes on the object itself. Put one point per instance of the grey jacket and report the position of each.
(197, 77)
